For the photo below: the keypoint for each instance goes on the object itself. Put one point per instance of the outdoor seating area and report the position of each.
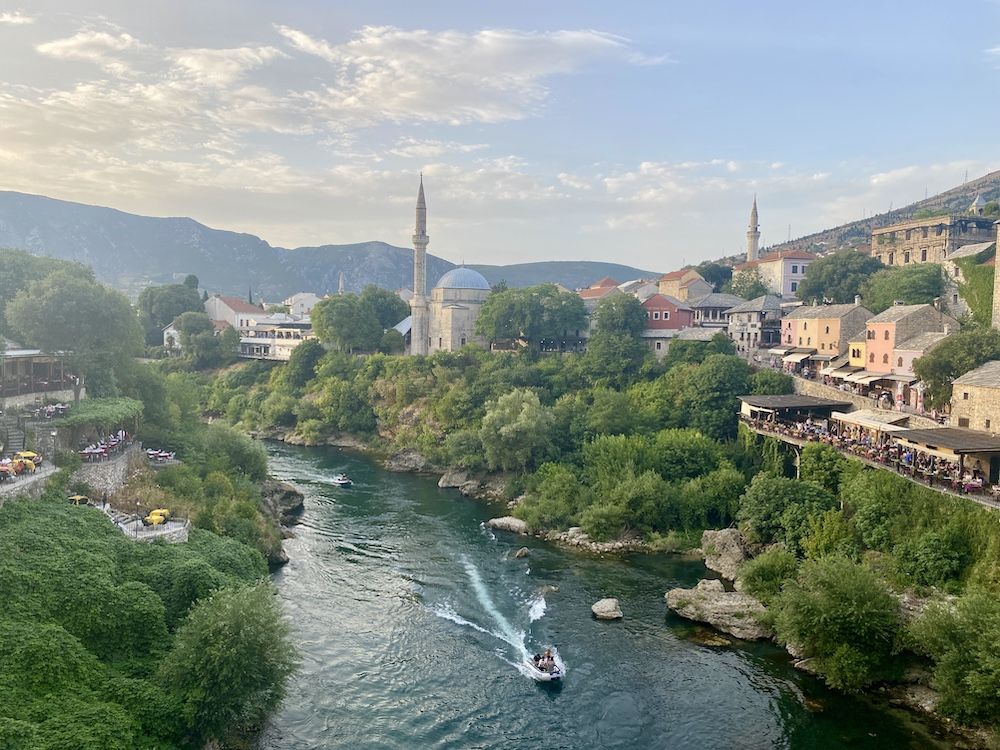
(160, 457)
(106, 448)
(950, 459)
(48, 411)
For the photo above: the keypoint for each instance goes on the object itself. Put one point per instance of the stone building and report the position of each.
(755, 324)
(455, 303)
(930, 240)
(709, 311)
(684, 284)
(975, 398)
(823, 329)
(665, 316)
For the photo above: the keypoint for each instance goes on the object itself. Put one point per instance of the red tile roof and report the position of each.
(597, 292)
(604, 283)
(679, 273)
(238, 305)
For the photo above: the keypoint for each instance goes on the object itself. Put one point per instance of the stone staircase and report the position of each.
(11, 435)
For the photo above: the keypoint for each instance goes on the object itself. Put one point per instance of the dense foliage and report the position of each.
(160, 305)
(956, 355)
(533, 315)
(748, 284)
(837, 277)
(92, 620)
(912, 285)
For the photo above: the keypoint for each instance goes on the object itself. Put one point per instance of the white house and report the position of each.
(233, 310)
(301, 303)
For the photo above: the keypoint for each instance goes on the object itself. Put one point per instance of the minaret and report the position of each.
(996, 285)
(340, 287)
(420, 329)
(753, 233)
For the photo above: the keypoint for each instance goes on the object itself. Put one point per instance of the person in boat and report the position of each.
(545, 662)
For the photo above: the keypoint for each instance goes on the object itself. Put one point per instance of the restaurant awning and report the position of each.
(780, 350)
(872, 420)
(863, 377)
(900, 378)
(796, 357)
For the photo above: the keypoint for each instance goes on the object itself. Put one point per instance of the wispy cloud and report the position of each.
(16, 18)
(102, 48)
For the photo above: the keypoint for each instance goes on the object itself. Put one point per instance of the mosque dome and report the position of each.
(463, 278)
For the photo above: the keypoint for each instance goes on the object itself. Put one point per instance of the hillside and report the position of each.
(857, 233)
(131, 252)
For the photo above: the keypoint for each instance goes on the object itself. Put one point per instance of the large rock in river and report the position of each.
(607, 609)
(508, 523)
(731, 612)
(453, 478)
(408, 460)
(281, 500)
(725, 551)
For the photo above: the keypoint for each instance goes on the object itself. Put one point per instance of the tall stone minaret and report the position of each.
(753, 233)
(340, 287)
(420, 325)
(996, 284)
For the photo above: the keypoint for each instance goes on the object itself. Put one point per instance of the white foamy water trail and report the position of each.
(507, 631)
(537, 609)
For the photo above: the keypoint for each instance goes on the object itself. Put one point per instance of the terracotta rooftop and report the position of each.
(679, 273)
(239, 305)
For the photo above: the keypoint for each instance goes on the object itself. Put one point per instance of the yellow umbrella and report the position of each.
(79, 499)
(29, 455)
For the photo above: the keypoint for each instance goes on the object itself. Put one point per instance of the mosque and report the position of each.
(446, 322)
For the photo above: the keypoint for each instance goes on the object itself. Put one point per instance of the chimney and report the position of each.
(857, 300)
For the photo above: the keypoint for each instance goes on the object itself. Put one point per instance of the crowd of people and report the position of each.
(881, 449)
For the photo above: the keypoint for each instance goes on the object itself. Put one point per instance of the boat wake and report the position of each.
(515, 639)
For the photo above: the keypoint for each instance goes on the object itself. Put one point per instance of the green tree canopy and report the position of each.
(302, 363)
(748, 284)
(230, 661)
(347, 322)
(160, 305)
(21, 268)
(621, 315)
(955, 356)
(517, 431)
(70, 312)
(838, 277)
(388, 307)
(715, 274)
(912, 285)
(534, 314)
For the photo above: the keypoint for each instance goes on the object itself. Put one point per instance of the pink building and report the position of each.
(890, 329)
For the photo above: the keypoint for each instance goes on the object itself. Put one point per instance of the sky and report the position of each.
(633, 131)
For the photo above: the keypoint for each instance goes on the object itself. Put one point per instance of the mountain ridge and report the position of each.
(131, 251)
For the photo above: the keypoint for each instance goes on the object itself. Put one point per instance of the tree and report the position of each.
(388, 307)
(771, 383)
(764, 575)
(715, 274)
(69, 312)
(302, 363)
(20, 269)
(230, 661)
(764, 509)
(823, 465)
(953, 357)
(191, 281)
(748, 284)
(838, 277)
(710, 395)
(516, 431)
(198, 339)
(534, 314)
(348, 323)
(840, 614)
(911, 285)
(613, 359)
(620, 315)
(160, 305)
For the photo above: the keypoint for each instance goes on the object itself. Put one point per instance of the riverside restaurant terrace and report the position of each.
(951, 459)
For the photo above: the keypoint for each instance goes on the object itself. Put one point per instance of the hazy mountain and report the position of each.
(130, 252)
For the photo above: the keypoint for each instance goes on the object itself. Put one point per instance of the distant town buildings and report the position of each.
(930, 240)
(684, 284)
(781, 272)
(755, 324)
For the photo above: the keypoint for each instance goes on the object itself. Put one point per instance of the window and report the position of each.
(656, 315)
(987, 424)
(890, 259)
(659, 345)
(924, 234)
(907, 234)
(439, 342)
(800, 341)
(795, 286)
(795, 268)
(954, 299)
(822, 345)
(871, 358)
(885, 335)
(965, 396)
(463, 340)
(805, 326)
(963, 421)
(899, 361)
(647, 314)
(870, 335)
(885, 359)
(906, 257)
(809, 341)
(666, 315)
(938, 230)
(923, 250)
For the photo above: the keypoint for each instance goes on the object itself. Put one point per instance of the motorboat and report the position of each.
(553, 674)
(342, 480)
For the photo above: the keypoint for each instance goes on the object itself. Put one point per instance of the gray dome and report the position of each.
(463, 278)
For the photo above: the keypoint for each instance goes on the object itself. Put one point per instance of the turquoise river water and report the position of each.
(412, 619)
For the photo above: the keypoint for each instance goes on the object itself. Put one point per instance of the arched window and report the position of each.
(827, 329)
(899, 361)
(871, 358)
(805, 326)
(809, 341)
(886, 335)
(885, 359)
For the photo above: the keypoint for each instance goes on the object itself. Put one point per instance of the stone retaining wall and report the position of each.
(27, 485)
(812, 388)
(107, 477)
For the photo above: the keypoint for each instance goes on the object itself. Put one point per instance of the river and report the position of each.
(412, 618)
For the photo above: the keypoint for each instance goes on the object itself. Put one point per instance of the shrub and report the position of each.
(764, 575)
(838, 612)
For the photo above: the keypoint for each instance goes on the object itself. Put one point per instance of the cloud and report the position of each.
(99, 47)
(16, 18)
(414, 148)
(220, 67)
(492, 75)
